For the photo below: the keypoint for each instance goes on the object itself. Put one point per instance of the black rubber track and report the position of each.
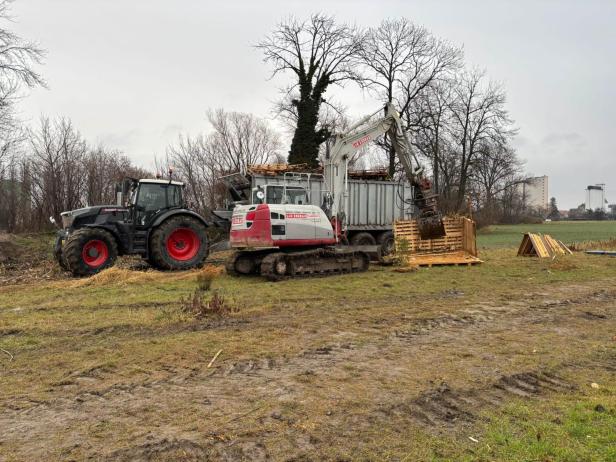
(72, 250)
(158, 255)
(313, 263)
(243, 263)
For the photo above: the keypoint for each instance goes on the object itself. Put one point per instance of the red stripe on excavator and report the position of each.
(303, 242)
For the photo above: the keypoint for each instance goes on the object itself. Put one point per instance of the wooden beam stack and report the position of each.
(542, 246)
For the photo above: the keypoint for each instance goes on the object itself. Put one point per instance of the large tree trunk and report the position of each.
(307, 139)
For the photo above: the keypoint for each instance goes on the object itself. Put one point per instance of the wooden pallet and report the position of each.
(457, 247)
(460, 258)
(460, 234)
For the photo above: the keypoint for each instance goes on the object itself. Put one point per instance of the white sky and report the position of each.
(133, 74)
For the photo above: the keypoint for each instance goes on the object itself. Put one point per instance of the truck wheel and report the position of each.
(387, 242)
(363, 239)
(179, 243)
(89, 250)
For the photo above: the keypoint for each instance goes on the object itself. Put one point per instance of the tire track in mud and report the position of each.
(445, 406)
(486, 313)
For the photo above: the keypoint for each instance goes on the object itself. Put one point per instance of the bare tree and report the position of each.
(193, 164)
(17, 56)
(319, 53)
(496, 171)
(104, 168)
(400, 60)
(57, 167)
(432, 118)
(238, 140)
(17, 61)
(479, 117)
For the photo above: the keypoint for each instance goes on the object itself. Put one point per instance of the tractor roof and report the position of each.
(161, 181)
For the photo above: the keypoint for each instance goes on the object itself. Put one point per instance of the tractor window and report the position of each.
(174, 196)
(152, 196)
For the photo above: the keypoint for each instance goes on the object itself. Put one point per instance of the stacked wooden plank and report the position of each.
(380, 174)
(542, 246)
(457, 247)
(279, 169)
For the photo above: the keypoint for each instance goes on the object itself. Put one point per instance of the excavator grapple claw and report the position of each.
(431, 227)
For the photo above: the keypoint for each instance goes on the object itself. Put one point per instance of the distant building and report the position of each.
(595, 197)
(534, 192)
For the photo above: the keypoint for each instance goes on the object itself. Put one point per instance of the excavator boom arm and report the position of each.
(336, 169)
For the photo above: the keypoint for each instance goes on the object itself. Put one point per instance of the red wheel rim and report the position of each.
(95, 253)
(183, 244)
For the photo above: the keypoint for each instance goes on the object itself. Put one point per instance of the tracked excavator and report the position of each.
(294, 239)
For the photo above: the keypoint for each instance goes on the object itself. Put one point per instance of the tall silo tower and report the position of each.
(595, 197)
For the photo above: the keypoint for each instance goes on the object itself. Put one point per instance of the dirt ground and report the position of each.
(379, 366)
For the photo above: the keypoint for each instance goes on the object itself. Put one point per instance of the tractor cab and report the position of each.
(147, 198)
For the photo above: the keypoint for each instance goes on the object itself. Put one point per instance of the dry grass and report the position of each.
(123, 276)
(207, 275)
(201, 305)
(608, 244)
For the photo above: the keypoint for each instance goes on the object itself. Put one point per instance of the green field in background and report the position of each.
(567, 231)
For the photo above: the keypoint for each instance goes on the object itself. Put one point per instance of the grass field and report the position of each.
(499, 236)
(487, 363)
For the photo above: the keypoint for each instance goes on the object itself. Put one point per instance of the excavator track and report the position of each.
(243, 263)
(277, 266)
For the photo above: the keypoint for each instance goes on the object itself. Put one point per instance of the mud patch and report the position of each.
(425, 326)
(162, 450)
(250, 366)
(593, 316)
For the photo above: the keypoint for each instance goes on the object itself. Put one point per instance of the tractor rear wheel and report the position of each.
(89, 250)
(179, 243)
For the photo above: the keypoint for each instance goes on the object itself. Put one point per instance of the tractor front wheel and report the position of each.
(59, 254)
(179, 243)
(89, 250)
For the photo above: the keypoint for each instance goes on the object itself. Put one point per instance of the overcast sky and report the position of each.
(133, 74)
